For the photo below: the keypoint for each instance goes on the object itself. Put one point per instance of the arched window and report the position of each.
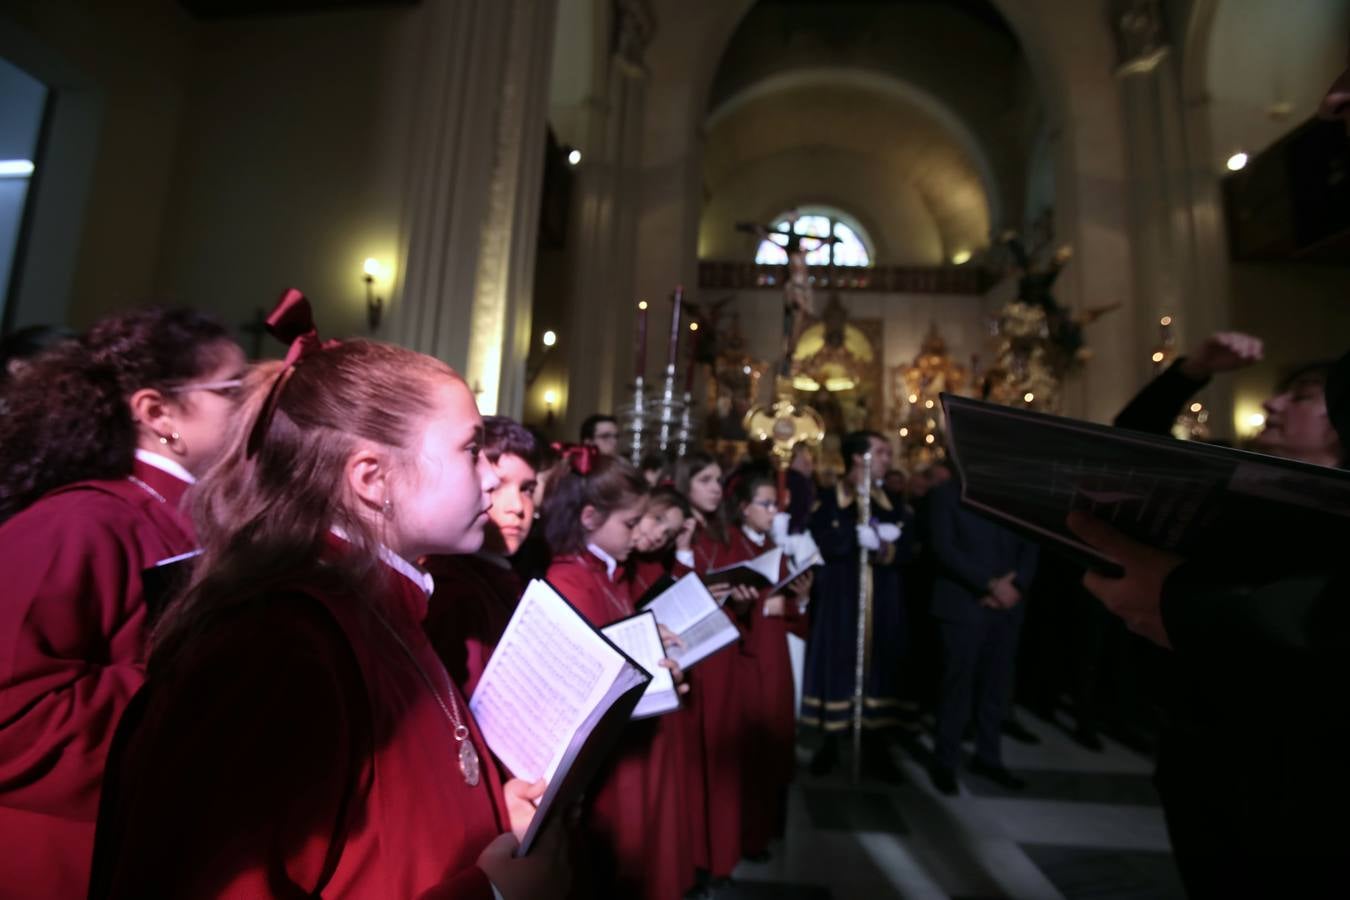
(850, 247)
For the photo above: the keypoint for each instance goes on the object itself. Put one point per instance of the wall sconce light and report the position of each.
(370, 270)
(550, 398)
(573, 157)
(550, 338)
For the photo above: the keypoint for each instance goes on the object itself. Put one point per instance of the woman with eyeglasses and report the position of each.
(100, 441)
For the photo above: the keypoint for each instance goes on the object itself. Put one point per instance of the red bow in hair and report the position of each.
(581, 457)
(291, 322)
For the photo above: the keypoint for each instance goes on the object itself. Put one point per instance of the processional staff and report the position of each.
(863, 662)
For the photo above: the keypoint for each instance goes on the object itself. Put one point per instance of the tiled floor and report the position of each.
(1087, 826)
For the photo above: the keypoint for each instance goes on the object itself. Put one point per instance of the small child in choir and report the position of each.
(632, 846)
(717, 699)
(296, 734)
(766, 678)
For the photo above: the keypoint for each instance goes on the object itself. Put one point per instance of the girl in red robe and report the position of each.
(476, 595)
(590, 517)
(101, 438)
(717, 699)
(653, 558)
(769, 758)
(297, 735)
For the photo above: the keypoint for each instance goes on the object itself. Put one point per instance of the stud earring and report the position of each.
(388, 505)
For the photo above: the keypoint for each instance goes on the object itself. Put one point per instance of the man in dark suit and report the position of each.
(983, 570)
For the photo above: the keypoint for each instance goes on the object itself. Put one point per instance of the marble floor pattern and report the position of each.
(1087, 826)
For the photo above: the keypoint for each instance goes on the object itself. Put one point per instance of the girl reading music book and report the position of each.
(297, 735)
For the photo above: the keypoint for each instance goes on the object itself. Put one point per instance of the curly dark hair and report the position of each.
(67, 417)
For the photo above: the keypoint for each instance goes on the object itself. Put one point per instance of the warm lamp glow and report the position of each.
(913, 398)
(1196, 407)
(550, 397)
(550, 338)
(372, 267)
(693, 326)
(1158, 356)
(642, 304)
(960, 257)
(1237, 162)
(1028, 396)
(574, 157)
(928, 404)
(1256, 420)
(904, 432)
(746, 370)
(928, 439)
(1165, 320)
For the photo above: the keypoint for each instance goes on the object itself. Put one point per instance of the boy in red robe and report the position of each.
(476, 595)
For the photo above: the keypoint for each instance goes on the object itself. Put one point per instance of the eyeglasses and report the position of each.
(226, 388)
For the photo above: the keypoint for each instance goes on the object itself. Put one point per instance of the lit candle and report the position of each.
(640, 365)
(672, 353)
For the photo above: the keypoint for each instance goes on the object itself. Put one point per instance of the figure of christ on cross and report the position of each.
(797, 302)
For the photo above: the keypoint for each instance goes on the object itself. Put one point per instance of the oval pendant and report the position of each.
(468, 763)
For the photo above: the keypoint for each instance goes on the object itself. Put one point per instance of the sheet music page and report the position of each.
(637, 636)
(684, 604)
(768, 564)
(547, 675)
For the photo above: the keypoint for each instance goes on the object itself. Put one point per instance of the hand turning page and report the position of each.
(639, 638)
(687, 609)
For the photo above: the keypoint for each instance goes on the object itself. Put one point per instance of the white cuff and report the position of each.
(685, 558)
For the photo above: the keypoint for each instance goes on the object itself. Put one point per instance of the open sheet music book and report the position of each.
(1237, 508)
(687, 609)
(760, 572)
(554, 699)
(639, 638)
(813, 560)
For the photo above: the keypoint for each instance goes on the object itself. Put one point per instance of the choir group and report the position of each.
(291, 717)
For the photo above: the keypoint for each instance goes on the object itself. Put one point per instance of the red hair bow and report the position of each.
(291, 322)
(581, 457)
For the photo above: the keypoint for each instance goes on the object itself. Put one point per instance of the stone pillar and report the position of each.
(473, 191)
(602, 240)
(1176, 228)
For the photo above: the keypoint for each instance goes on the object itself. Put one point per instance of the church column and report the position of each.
(603, 238)
(1180, 261)
(473, 191)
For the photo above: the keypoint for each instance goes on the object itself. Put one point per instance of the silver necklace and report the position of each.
(469, 765)
(147, 488)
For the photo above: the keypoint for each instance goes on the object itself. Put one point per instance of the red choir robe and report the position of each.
(769, 758)
(666, 787)
(294, 748)
(718, 699)
(468, 612)
(72, 650)
(633, 829)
